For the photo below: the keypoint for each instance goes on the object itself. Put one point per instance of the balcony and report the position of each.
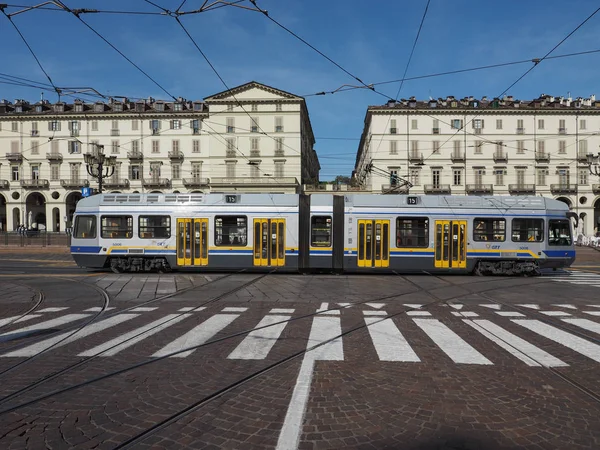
(74, 183)
(115, 132)
(394, 189)
(520, 130)
(435, 131)
(500, 157)
(279, 153)
(54, 156)
(14, 157)
(156, 182)
(437, 189)
(230, 154)
(582, 157)
(35, 183)
(457, 157)
(195, 130)
(480, 188)
(135, 155)
(35, 133)
(477, 130)
(74, 133)
(596, 188)
(563, 188)
(521, 188)
(255, 153)
(176, 155)
(4, 184)
(415, 158)
(113, 183)
(155, 131)
(562, 131)
(542, 157)
(258, 181)
(195, 182)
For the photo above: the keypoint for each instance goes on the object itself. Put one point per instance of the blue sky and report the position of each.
(370, 39)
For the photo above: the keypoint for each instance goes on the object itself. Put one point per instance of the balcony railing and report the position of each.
(477, 130)
(395, 189)
(501, 157)
(480, 188)
(435, 131)
(176, 155)
(35, 133)
(582, 157)
(230, 154)
(74, 133)
(74, 183)
(258, 181)
(457, 157)
(521, 188)
(14, 157)
(437, 189)
(35, 183)
(562, 131)
(156, 182)
(4, 184)
(196, 182)
(54, 156)
(563, 188)
(115, 183)
(596, 188)
(114, 132)
(254, 153)
(542, 157)
(135, 155)
(520, 130)
(415, 158)
(279, 153)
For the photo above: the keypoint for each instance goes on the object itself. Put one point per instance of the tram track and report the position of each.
(40, 300)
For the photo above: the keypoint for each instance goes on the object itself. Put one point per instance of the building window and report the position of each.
(393, 148)
(541, 176)
(78, 107)
(414, 149)
(155, 146)
(135, 171)
(177, 107)
(35, 148)
(254, 169)
(279, 168)
(34, 129)
(35, 172)
(134, 125)
(498, 124)
(176, 171)
(412, 232)
(230, 153)
(582, 124)
(394, 177)
(525, 230)
(414, 177)
(540, 124)
(457, 152)
(479, 173)
(196, 170)
(320, 231)
(175, 124)
(14, 147)
(231, 231)
(457, 177)
(478, 147)
(562, 146)
(230, 169)
(279, 146)
(155, 170)
(478, 124)
(155, 126)
(489, 230)
(393, 129)
(229, 108)
(195, 124)
(520, 127)
(278, 107)
(74, 170)
(436, 176)
(499, 173)
(54, 125)
(254, 145)
(456, 124)
(116, 227)
(135, 146)
(230, 127)
(154, 227)
(74, 147)
(520, 177)
(520, 147)
(15, 127)
(196, 146)
(541, 147)
(583, 149)
(564, 176)
(114, 125)
(175, 146)
(583, 176)
(254, 125)
(94, 125)
(254, 107)
(114, 145)
(159, 106)
(562, 129)
(413, 124)
(14, 173)
(279, 124)
(436, 147)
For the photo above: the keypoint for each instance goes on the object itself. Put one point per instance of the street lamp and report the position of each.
(594, 163)
(99, 165)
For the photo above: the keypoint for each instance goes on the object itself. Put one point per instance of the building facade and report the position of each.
(252, 138)
(484, 147)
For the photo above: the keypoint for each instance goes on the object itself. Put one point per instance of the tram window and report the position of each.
(116, 227)
(412, 232)
(85, 227)
(320, 234)
(559, 232)
(231, 231)
(489, 229)
(154, 227)
(527, 230)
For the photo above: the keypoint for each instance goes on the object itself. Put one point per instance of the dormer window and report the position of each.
(78, 107)
(139, 107)
(454, 104)
(197, 106)
(159, 106)
(99, 107)
(59, 108)
(118, 107)
(19, 108)
(177, 107)
(38, 108)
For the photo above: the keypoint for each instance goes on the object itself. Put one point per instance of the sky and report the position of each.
(372, 40)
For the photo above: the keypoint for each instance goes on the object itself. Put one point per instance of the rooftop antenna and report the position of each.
(42, 96)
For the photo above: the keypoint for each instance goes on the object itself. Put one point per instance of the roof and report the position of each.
(223, 95)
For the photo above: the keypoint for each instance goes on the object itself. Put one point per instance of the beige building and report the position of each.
(483, 147)
(253, 138)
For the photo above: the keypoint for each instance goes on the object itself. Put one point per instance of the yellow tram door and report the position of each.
(192, 242)
(451, 244)
(373, 243)
(269, 242)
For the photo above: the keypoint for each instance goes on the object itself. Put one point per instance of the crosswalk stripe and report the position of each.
(322, 330)
(492, 306)
(282, 311)
(452, 344)
(555, 313)
(375, 313)
(592, 313)
(55, 341)
(28, 317)
(259, 343)
(323, 310)
(579, 345)
(145, 309)
(53, 309)
(418, 313)
(566, 306)
(47, 324)
(520, 348)
(97, 309)
(510, 314)
(197, 335)
(375, 305)
(586, 324)
(126, 340)
(389, 343)
(530, 306)
(234, 309)
(15, 319)
(465, 314)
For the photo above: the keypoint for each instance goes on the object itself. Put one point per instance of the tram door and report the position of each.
(451, 244)
(373, 243)
(192, 242)
(269, 242)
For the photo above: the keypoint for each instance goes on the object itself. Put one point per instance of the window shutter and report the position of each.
(49, 126)
(482, 123)
(172, 124)
(150, 124)
(461, 123)
(70, 126)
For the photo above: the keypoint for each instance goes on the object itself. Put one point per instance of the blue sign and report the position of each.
(86, 191)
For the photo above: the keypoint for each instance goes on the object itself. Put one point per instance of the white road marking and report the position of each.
(575, 343)
(323, 328)
(389, 343)
(55, 341)
(566, 306)
(375, 305)
(530, 306)
(375, 313)
(29, 317)
(48, 324)
(15, 319)
(413, 305)
(465, 314)
(585, 324)
(98, 309)
(456, 305)
(451, 343)
(126, 340)
(345, 305)
(234, 309)
(259, 343)
(282, 311)
(592, 313)
(144, 309)
(323, 310)
(492, 306)
(513, 344)
(594, 306)
(555, 313)
(197, 335)
(192, 309)
(54, 309)
(510, 314)
(418, 313)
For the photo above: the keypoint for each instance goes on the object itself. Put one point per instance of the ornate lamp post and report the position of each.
(99, 165)
(594, 163)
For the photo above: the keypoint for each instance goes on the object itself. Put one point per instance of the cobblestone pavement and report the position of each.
(452, 362)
